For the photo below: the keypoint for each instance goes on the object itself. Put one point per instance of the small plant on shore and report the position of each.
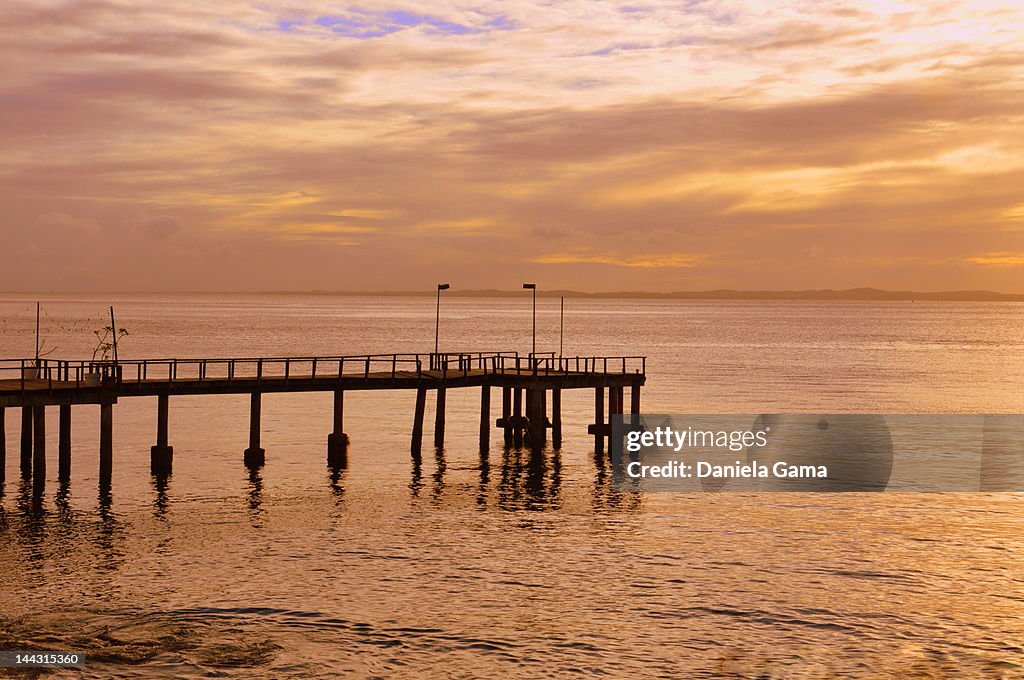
(105, 340)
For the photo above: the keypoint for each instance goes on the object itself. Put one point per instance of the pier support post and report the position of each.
(106, 442)
(417, 421)
(506, 415)
(485, 418)
(26, 441)
(3, 444)
(543, 411)
(556, 418)
(615, 398)
(439, 418)
(536, 418)
(255, 456)
(64, 444)
(39, 448)
(634, 404)
(161, 456)
(529, 398)
(599, 419)
(517, 418)
(337, 440)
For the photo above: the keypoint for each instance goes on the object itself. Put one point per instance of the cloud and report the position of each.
(652, 261)
(999, 259)
(64, 221)
(721, 142)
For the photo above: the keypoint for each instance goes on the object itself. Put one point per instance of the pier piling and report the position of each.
(536, 419)
(161, 456)
(39, 448)
(254, 456)
(556, 418)
(417, 421)
(485, 418)
(3, 444)
(529, 412)
(439, 417)
(337, 440)
(599, 426)
(517, 418)
(26, 441)
(506, 415)
(614, 402)
(106, 442)
(64, 443)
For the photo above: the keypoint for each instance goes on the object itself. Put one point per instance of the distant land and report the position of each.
(825, 294)
(865, 294)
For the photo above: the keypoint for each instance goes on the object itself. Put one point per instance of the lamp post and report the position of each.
(437, 320)
(533, 287)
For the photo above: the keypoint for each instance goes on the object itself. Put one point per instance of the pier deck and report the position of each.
(524, 382)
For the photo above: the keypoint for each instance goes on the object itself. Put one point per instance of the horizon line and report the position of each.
(847, 294)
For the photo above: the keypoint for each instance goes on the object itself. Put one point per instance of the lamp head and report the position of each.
(531, 286)
(443, 286)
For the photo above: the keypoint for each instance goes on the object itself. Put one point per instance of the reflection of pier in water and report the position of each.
(530, 388)
(520, 479)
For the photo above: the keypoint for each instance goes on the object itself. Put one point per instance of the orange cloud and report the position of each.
(658, 261)
(273, 144)
(999, 259)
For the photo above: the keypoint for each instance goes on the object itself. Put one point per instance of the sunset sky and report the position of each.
(156, 145)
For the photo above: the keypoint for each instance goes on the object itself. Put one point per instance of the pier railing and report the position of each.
(550, 364)
(36, 373)
(25, 374)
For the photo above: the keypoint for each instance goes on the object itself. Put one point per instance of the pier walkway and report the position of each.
(525, 382)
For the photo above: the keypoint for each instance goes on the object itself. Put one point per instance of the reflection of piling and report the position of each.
(161, 455)
(337, 440)
(254, 456)
(64, 443)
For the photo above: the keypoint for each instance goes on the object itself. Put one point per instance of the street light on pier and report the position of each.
(437, 320)
(533, 287)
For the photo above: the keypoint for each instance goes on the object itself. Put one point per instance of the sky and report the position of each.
(581, 144)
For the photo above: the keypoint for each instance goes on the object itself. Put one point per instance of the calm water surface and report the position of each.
(459, 566)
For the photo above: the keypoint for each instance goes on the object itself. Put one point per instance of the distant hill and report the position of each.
(850, 294)
(865, 294)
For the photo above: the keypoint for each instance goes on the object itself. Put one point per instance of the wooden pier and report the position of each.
(525, 383)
